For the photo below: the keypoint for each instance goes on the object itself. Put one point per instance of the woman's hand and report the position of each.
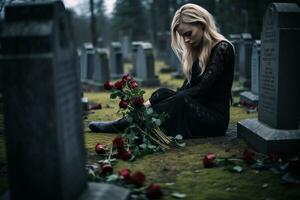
(147, 104)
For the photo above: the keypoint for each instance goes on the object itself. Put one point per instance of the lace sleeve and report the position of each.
(213, 70)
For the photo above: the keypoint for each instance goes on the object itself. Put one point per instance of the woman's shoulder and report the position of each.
(224, 47)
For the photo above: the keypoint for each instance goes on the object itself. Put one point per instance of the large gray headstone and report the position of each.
(43, 121)
(244, 64)
(145, 71)
(171, 60)
(42, 104)
(116, 60)
(101, 70)
(235, 40)
(277, 127)
(125, 42)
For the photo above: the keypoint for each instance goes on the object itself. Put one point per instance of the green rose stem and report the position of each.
(155, 140)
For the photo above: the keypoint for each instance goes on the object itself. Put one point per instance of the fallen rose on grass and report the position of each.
(138, 178)
(208, 160)
(124, 155)
(118, 142)
(100, 148)
(154, 192)
(249, 156)
(105, 169)
(125, 174)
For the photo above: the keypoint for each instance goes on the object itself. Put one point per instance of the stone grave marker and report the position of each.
(116, 60)
(277, 127)
(101, 70)
(125, 42)
(244, 64)
(251, 97)
(235, 39)
(145, 71)
(43, 121)
(84, 61)
(171, 60)
(134, 48)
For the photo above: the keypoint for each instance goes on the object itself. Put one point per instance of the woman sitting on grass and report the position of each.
(201, 106)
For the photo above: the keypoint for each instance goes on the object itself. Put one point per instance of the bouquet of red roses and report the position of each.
(144, 131)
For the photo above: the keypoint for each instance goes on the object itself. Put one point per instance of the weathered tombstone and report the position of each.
(101, 70)
(116, 60)
(43, 129)
(235, 39)
(277, 127)
(177, 63)
(251, 97)
(145, 71)
(244, 64)
(90, 61)
(134, 48)
(86, 47)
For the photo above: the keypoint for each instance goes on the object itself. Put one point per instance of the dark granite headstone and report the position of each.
(101, 70)
(171, 60)
(235, 40)
(244, 64)
(277, 127)
(116, 60)
(43, 123)
(145, 71)
(125, 42)
(86, 47)
(251, 97)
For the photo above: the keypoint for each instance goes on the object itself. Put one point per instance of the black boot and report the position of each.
(109, 126)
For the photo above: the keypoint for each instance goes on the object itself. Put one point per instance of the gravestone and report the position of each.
(101, 70)
(86, 47)
(125, 42)
(251, 97)
(244, 64)
(235, 40)
(277, 127)
(90, 62)
(134, 48)
(116, 60)
(43, 124)
(145, 71)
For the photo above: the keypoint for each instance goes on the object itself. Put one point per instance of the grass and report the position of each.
(181, 169)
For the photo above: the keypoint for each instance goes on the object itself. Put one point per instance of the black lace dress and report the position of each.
(200, 108)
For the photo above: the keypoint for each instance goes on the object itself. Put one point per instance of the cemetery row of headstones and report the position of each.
(100, 65)
(41, 95)
(277, 128)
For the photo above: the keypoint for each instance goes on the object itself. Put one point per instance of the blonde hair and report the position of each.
(192, 13)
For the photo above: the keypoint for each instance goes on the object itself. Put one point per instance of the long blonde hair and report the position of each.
(192, 13)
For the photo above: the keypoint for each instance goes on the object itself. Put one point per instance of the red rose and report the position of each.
(123, 103)
(133, 84)
(154, 192)
(108, 85)
(118, 142)
(125, 173)
(127, 77)
(208, 160)
(138, 101)
(138, 178)
(119, 84)
(124, 155)
(249, 156)
(100, 148)
(106, 169)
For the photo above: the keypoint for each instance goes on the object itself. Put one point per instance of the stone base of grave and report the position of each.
(105, 191)
(237, 90)
(95, 191)
(149, 82)
(167, 70)
(249, 98)
(177, 75)
(265, 139)
(95, 86)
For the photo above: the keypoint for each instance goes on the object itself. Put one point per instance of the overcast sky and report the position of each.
(82, 6)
